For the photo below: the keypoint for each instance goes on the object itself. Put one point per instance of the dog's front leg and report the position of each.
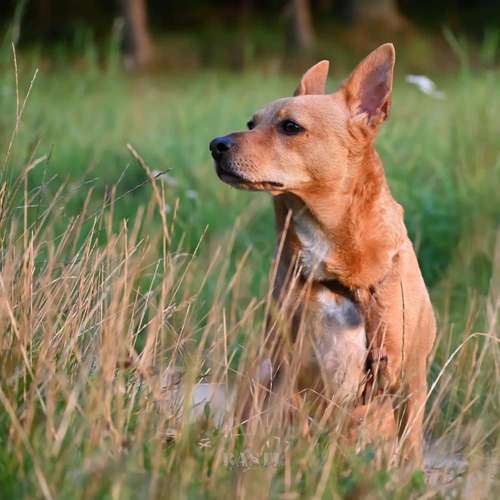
(255, 390)
(407, 391)
(263, 397)
(386, 345)
(401, 346)
(410, 414)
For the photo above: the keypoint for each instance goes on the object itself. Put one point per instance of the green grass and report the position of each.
(441, 157)
(79, 359)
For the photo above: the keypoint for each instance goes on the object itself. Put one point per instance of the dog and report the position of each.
(347, 273)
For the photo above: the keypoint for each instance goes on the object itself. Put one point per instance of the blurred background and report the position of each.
(190, 34)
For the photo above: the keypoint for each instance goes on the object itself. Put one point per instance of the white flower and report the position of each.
(165, 178)
(425, 85)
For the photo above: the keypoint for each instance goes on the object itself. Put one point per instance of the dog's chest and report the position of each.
(336, 343)
(314, 245)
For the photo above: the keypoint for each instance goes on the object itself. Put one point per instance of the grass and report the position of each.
(109, 276)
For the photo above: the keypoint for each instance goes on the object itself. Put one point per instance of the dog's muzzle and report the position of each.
(221, 149)
(231, 169)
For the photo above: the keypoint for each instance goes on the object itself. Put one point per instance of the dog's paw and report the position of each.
(371, 422)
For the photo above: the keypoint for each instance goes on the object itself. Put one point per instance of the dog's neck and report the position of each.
(351, 232)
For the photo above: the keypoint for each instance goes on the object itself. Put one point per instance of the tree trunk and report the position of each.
(300, 30)
(384, 13)
(137, 44)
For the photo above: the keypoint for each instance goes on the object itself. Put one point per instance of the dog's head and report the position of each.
(311, 139)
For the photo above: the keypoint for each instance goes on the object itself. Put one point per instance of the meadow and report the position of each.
(122, 254)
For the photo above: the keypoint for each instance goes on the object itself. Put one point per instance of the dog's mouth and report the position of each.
(236, 180)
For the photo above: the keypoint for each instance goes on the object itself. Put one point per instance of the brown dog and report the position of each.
(347, 272)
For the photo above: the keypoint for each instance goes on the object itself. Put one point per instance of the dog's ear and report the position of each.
(368, 89)
(314, 80)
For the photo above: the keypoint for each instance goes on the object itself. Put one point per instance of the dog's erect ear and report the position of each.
(314, 80)
(368, 89)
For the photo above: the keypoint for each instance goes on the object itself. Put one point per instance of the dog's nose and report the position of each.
(221, 145)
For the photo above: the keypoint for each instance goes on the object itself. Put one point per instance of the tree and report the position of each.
(300, 30)
(137, 43)
(378, 12)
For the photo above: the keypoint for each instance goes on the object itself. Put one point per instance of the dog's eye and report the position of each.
(289, 127)
(250, 124)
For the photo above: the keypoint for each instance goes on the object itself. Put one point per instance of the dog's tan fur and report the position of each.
(339, 223)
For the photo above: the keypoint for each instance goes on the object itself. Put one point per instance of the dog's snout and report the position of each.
(221, 145)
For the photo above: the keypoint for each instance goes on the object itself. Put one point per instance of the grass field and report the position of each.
(109, 276)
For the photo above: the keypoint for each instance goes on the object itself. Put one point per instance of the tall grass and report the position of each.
(112, 275)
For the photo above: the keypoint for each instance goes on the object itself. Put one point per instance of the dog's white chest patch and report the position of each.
(340, 344)
(315, 245)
